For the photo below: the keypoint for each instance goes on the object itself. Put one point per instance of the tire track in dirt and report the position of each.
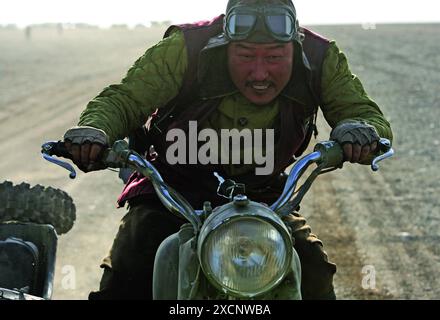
(364, 227)
(339, 241)
(44, 112)
(386, 238)
(52, 112)
(19, 107)
(321, 207)
(394, 213)
(51, 104)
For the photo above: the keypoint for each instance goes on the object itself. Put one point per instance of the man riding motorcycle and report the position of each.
(253, 68)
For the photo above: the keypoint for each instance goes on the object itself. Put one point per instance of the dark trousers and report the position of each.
(128, 270)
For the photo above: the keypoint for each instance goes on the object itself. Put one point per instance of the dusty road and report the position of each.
(380, 229)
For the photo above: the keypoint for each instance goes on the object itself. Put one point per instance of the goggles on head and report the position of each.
(275, 20)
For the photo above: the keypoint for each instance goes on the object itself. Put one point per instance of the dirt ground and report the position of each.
(381, 229)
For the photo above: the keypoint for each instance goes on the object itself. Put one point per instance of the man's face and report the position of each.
(260, 71)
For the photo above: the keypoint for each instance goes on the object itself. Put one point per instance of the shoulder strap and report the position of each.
(196, 36)
(315, 48)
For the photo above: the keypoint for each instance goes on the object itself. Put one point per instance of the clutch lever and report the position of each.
(384, 146)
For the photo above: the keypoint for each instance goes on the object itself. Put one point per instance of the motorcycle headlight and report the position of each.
(245, 252)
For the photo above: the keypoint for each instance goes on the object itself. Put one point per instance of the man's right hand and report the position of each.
(86, 145)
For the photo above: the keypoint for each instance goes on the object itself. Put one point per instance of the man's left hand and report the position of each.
(358, 139)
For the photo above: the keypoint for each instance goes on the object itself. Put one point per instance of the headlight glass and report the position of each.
(245, 255)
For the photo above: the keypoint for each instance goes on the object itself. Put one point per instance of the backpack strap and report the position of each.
(315, 49)
(196, 37)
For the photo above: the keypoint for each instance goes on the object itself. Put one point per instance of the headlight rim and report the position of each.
(252, 211)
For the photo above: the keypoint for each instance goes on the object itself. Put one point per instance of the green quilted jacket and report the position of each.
(156, 78)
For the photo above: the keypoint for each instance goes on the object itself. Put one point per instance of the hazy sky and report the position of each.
(107, 12)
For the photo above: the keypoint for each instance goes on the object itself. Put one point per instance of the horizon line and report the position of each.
(149, 23)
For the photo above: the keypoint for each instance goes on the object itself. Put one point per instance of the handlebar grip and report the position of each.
(331, 153)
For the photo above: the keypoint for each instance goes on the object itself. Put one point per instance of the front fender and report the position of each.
(176, 266)
(166, 269)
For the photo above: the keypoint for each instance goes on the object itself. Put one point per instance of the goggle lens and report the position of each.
(280, 25)
(279, 22)
(240, 24)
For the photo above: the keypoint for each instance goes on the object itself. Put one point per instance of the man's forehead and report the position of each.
(253, 46)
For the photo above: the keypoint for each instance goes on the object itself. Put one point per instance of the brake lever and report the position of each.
(62, 164)
(384, 146)
(49, 149)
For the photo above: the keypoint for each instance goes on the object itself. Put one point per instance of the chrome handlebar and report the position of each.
(170, 198)
(326, 154)
(297, 171)
(329, 154)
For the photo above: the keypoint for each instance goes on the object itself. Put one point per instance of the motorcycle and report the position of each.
(30, 220)
(241, 250)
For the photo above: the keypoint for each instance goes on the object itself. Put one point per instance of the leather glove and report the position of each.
(80, 135)
(86, 145)
(358, 139)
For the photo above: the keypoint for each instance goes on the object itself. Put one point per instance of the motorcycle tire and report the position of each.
(38, 204)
